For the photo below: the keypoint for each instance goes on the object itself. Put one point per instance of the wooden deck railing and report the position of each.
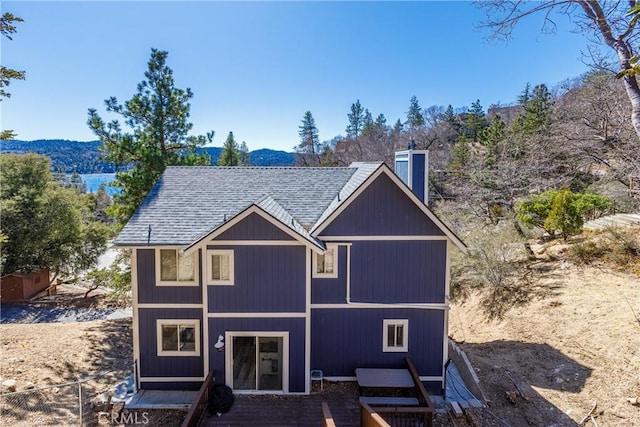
(398, 416)
(369, 417)
(199, 406)
(421, 392)
(326, 414)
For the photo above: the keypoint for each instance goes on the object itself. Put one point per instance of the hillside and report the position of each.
(577, 342)
(84, 157)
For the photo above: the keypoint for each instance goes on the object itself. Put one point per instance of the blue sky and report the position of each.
(256, 67)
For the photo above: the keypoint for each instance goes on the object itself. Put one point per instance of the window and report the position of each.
(175, 268)
(220, 264)
(326, 265)
(178, 337)
(395, 333)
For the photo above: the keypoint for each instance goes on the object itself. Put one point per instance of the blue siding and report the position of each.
(267, 278)
(418, 179)
(254, 227)
(295, 327)
(382, 209)
(346, 339)
(149, 293)
(182, 385)
(398, 271)
(332, 291)
(152, 365)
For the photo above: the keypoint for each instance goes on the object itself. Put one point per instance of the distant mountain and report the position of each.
(84, 157)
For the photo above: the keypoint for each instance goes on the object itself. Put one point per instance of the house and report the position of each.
(266, 273)
(19, 286)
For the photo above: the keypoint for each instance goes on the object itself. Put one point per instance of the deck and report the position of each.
(289, 411)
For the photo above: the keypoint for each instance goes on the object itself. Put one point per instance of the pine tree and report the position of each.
(476, 120)
(7, 74)
(415, 119)
(230, 155)
(158, 117)
(308, 151)
(356, 121)
(244, 154)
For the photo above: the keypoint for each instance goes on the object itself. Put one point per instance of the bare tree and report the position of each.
(606, 22)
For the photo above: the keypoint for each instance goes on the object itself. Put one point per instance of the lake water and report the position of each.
(93, 181)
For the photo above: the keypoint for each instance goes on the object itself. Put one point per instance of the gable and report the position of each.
(254, 227)
(382, 209)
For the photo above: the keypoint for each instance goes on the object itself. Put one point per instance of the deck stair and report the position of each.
(613, 221)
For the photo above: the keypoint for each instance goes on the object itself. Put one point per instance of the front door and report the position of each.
(258, 362)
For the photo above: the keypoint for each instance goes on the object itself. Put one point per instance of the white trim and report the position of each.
(307, 324)
(265, 315)
(168, 305)
(170, 379)
(135, 324)
(158, 268)
(348, 297)
(208, 269)
(445, 333)
(210, 236)
(354, 305)
(383, 238)
(178, 322)
(330, 247)
(422, 378)
(228, 357)
(255, 243)
(205, 319)
(383, 169)
(386, 348)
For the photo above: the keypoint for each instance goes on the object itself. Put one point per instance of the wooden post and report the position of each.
(80, 400)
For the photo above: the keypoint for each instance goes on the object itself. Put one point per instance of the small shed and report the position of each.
(23, 286)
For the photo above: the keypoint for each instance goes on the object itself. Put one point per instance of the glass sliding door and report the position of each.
(258, 363)
(270, 355)
(244, 363)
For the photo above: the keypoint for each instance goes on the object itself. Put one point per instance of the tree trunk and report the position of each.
(620, 44)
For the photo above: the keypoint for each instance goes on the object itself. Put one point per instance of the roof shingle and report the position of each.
(191, 201)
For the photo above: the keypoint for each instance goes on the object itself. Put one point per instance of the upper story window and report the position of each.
(178, 337)
(175, 268)
(220, 267)
(326, 265)
(395, 334)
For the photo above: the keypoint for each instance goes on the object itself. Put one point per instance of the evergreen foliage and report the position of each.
(476, 121)
(44, 224)
(7, 28)
(230, 155)
(308, 151)
(560, 211)
(356, 121)
(415, 119)
(158, 118)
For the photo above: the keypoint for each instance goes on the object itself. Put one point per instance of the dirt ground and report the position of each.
(575, 346)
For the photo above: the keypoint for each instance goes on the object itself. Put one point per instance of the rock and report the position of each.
(29, 386)
(9, 385)
(633, 401)
(559, 380)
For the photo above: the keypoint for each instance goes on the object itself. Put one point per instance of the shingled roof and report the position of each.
(189, 202)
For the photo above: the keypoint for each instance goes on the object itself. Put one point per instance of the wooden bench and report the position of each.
(389, 401)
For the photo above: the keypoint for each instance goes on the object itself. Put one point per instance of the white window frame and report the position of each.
(209, 268)
(179, 322)
(330, 247)
(385, 335)
(196, 271)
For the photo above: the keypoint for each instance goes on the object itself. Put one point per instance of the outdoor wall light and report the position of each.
(220, 344)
